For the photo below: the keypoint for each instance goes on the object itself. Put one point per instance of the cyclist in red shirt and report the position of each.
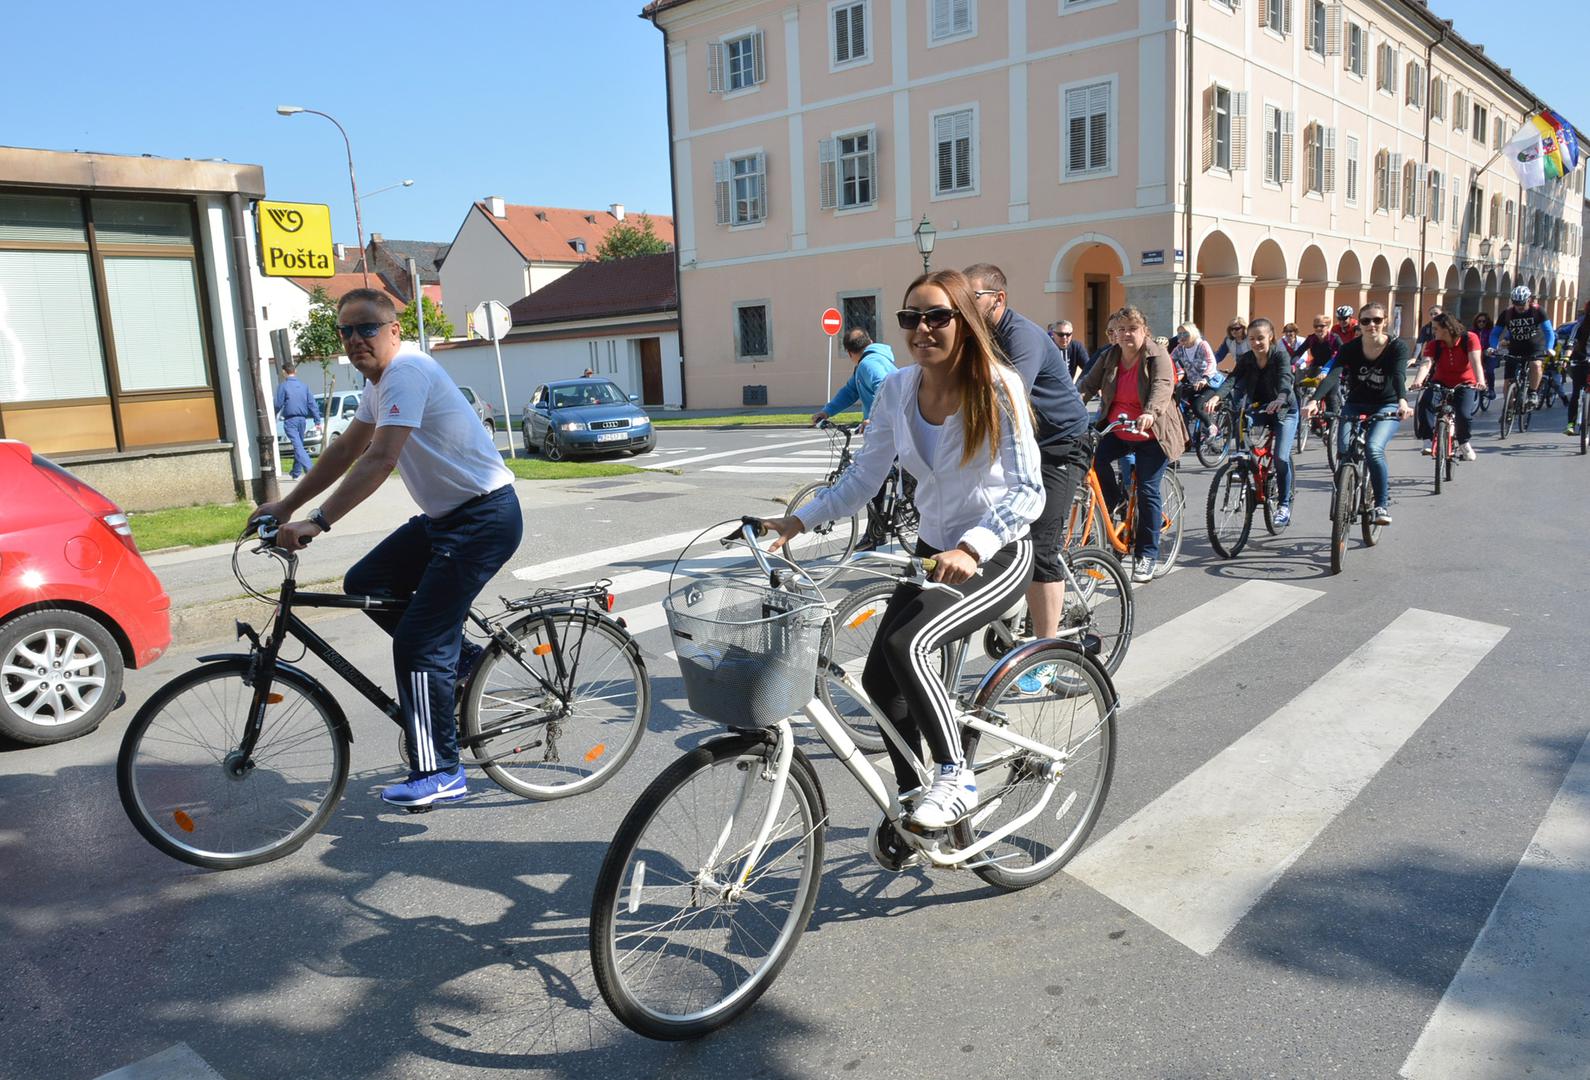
(1346, 327)
(1452, 358)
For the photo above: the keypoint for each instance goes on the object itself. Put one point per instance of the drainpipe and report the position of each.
(673, 193)
(265, 488)
(1424, 221)
(1187, 164)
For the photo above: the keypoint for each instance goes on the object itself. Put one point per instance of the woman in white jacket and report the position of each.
(958, 419)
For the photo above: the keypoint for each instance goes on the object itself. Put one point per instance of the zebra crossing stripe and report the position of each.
(674, 463)
(1194, 861)
(605, 558)
(813, 469)
(1179, 647)
(1517, 1005)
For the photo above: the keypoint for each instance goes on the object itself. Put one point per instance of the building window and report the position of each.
(849, 33)
(752, 339)
(1496, 216)
(1276, 15)
(1355, 49)
(735, 63)
(1482, 118)
(1277, 145)
(102, 343)
(1352, 170)
(1316, 27)
(1386, 69)
(860, 311)
(848, 167)
(1414, 92)
(1318, 144)
(741, 184)
(1497, 138)
(1410, 189)
(952, 19)
(1217, 128)
(1437, 98)
(1087, 142)
(954, 152)
(1433, 196)
(1383, 180)
(1509, 212)
(1459, 111)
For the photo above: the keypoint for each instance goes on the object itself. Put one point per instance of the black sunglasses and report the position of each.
(1370, 321)
(364, 329)
(937, 318)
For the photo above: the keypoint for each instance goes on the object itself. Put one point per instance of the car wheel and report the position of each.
(529, 439)
(491, 425)
(639, 450)
(551, 450)
(60, 673)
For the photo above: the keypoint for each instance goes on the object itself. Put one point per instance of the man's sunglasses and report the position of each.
(365, 330)
(937, 318)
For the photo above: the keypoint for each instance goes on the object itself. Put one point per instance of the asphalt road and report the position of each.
(1346, 815)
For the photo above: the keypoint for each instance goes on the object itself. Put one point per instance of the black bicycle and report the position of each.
(820, 551)
(1208, 435)
(1352, 494)
(1443, 440)
(241, 760)
(1516, 408)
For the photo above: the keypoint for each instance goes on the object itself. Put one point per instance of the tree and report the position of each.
(318, 339)
(626, 241)
(437, 324)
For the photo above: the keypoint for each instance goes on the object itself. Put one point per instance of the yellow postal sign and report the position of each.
(295, 239)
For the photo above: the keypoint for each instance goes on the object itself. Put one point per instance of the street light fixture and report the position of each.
(926, 235)
(389, 187)
(358, 216)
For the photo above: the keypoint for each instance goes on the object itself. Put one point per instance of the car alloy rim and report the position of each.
(52, 677)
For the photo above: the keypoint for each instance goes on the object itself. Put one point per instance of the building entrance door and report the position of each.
(651, 376)
(1096, 293)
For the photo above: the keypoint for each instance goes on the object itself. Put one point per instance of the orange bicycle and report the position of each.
(1091, 522)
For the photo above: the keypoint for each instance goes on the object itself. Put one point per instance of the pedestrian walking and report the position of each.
(295, 407)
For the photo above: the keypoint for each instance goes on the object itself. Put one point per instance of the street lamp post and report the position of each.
(358, 217)
(926, 235)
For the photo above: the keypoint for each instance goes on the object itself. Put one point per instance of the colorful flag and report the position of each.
(1550, 152)
(1523, 152)
(1569, 142)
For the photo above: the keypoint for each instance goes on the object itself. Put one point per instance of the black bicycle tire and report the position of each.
(1111, 567)
(1367, 529)
(609, 885)
(1344, 491)
(1505, 423)
(1584, 421)
(469, 724)
(1002, 876)
(1230, 465)
(1272, 500)
(1525, 416)
(1332, 430)
(1163, 563)
(240, 668)
(823, 573)
(1437, 452)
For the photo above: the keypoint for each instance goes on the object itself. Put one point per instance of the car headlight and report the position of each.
(640, 422)
(571, 425)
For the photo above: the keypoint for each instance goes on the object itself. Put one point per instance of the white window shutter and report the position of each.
(1209, 128)
(872, 165)
(1239, 130)
(1286, 15)
(1421, 186)
(1333, 29)
(762, 185)
(722, 191)
(941, 19)
(1394, 183)
(758, 62)
(714, 67)
(1271, 150)
(1396, 64)
(1330, 161)
(827, 175)
(1287, 139)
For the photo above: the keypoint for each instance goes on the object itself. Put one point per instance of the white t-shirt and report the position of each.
(449, 459)
(927, 435)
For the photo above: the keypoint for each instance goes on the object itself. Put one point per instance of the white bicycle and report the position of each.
(712, 876)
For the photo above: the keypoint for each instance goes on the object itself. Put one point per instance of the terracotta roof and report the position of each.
(545, 233)
(603, 290)
(337, 284)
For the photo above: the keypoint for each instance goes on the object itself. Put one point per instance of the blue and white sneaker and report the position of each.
(1035, 681)
(952, 796)
(1283, 517)
(428, 788)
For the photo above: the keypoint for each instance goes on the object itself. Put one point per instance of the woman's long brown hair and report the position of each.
(974, 367)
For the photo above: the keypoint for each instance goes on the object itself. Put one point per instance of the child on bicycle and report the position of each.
(959, 420)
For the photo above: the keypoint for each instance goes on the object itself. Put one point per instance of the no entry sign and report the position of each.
(832, 323)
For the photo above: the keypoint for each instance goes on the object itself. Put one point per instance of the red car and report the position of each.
(78, 604)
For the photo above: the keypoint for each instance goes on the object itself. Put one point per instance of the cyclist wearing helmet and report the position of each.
(1528, 335)
(1346, 327)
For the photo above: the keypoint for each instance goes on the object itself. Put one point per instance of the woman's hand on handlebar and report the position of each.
(788, 528)
(1145, 424)
(954, 566)
(818, 417)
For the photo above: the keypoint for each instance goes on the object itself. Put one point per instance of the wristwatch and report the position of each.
(317, 518)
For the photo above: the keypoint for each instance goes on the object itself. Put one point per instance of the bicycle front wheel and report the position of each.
(1099, 600)
(1074, 713)
(1439, 451)
(1214, 438)
(1331, 430)
(821, 549)
(1584, 421)
(1229, 511)
(1509, 412)
(1174, 500)
(1525, 414)
(1344, 494)
(560, 711)
(190, 793)
(684, 935)
(847, 640)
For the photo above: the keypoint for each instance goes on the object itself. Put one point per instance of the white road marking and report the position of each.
(759, 470)
(674, 464)
(1517, 1005)
(177, 1062)
(1175, 649)
(606, 557)
(1195, 860)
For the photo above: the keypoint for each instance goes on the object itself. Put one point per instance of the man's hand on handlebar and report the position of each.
(788, 528)
(296, 535)
(277, 510)
(818, 417)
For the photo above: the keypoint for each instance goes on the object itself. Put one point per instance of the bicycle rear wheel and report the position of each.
(1272, 500)
(1173, 497)
(545, 735)
(1099, 600)
(1344, 496)
(1584, 421)
(1229, 511)
(1509, 411)
(821, 549)
(189, 794)
(676, 950)
(1302, 434)
(1074, 713)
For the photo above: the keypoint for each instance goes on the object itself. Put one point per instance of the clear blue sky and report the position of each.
(558, 102)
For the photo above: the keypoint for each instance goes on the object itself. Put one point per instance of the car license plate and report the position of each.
(612, 436)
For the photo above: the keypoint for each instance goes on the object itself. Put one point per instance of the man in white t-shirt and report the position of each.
(413, 417)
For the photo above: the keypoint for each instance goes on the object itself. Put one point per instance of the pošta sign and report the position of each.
(295, 239)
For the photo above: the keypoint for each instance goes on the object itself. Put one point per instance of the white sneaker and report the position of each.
(952, 796)
(1142, 570)
(1426, 451)
(1382, 516)
(1466, 452)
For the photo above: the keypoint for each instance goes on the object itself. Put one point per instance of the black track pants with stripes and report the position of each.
(902, 674)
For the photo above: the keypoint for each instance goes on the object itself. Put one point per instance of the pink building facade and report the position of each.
(1197, 158)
